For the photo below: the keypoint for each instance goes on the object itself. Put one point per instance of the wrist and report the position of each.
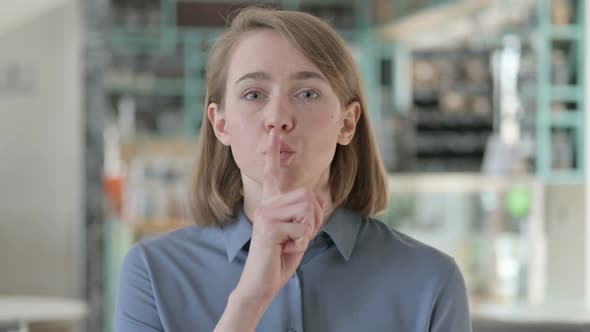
(241, 298)
(242, 313)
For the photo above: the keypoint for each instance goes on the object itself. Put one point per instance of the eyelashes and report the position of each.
(255, 95)
(309, 94)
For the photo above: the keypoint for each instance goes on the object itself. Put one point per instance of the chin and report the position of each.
(290, 183)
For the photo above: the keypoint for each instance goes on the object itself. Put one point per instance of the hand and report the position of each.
(283, 226)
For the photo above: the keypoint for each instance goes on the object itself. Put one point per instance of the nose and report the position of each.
(279, 115)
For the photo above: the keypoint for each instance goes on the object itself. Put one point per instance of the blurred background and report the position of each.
(479, 107)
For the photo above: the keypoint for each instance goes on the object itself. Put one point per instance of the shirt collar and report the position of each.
(237, 234)
(342, 228)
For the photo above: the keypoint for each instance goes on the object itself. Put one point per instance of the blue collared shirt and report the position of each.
(357, 275)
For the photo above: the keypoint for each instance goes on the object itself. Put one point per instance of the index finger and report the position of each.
(272, 166)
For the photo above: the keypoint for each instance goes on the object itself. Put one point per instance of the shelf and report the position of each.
(566, 93)
(548, 119)
(565, 32)
(409, 18)
(138, 40)
(438, 119)
(148, 86)
(449, 155)
(450, 143)
(448, 165)
(561, 177)
(446, 183)
(567, 119)
(124, 32)
(158, 226)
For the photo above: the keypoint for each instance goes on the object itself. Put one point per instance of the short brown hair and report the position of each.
(358, 180)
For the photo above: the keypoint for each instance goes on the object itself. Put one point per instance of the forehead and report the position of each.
(268, 51)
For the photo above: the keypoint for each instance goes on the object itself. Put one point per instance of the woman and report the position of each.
(287, 177)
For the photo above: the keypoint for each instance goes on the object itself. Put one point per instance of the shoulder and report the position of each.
(192, 234)
(167, 248)
(146, 276)
(404, 252)
(423, 276)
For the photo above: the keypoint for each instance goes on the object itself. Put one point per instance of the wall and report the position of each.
(41, 224)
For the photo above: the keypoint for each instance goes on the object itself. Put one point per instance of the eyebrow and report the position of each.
(306, 75)
(300, 75)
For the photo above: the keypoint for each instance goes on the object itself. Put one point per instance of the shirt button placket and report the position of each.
(296, 320)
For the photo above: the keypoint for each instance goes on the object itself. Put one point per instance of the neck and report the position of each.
(253, 193)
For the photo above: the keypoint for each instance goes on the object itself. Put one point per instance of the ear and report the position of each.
(350, 118)
(217, 119)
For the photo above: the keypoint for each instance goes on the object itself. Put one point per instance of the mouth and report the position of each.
(285, 148)
(286, 152)
(285, 156)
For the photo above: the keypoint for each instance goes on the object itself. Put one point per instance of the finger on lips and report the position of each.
(299, 207)
(272, 165)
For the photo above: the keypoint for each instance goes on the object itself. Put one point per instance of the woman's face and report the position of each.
(271, 84)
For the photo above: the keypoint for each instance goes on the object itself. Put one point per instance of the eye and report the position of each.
(308, 94)
(253, 95)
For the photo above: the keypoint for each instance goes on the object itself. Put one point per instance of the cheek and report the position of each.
(325, 124)
(245, 145)
(322, 135)
(242, 138)
(246, 155)
(241, 127)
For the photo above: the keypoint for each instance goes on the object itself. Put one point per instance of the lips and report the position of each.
(286, 152)
(285, 156)
(285, 148)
